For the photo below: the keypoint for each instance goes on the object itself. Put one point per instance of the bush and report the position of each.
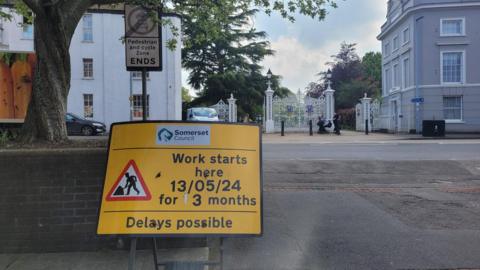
(348, 119)
(7, 136)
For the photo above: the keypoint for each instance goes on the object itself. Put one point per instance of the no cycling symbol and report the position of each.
(140, 22)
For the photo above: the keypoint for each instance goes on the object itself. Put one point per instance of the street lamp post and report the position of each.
(269, 123)
(329, 98)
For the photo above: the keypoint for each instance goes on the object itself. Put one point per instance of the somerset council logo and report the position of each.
(164, 135)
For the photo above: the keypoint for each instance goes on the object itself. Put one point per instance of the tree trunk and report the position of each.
(45, 119)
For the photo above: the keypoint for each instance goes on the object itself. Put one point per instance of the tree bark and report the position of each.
(45, 119)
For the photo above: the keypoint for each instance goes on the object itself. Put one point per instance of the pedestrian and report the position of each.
(337, 124)
(321, 125)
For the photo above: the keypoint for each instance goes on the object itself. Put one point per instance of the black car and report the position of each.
(78, 125)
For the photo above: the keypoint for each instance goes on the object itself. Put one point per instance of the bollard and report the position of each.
(283, 128)
(366, 127)
(310, 123)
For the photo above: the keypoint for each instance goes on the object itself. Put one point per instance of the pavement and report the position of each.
(353, 137)
(102, 260)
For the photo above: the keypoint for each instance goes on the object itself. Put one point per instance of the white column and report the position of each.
(269, 124)
(330, 103)
(232, 109)
(366, 105)
(235, 115)
(264, 112)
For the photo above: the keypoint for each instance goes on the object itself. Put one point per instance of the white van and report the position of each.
(202, 114)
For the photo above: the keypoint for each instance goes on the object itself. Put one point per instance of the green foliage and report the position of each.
(372, 66)
(348, 117)
(352, 77)
(346, 65)
(7, 136)
(315, 89)
(349, 92)
(228, 60)
(186, 97)
(20, 8)
(311, 8)
(247, 89)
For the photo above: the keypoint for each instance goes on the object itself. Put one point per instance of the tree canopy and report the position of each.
(352, 76)
(229, 62)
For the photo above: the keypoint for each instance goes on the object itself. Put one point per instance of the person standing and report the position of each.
(337, 124)
(321, 125)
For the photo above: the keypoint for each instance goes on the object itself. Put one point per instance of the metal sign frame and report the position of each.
(159, 66)
(261, 206)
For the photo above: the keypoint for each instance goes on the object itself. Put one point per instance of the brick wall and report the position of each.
(49, 202)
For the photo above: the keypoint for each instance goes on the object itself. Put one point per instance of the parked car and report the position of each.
(77, 125)
(202, 114)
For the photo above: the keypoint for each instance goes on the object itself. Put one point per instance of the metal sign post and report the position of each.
(143, 52)
(144, 95)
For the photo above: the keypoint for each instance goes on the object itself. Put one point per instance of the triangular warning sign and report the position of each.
(129, 186)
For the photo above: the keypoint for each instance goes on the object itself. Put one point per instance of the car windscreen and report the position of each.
(204, 112)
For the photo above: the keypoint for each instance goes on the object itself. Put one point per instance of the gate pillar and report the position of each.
(330, 103)
(269, 124)
(232, 109)
(366, 105)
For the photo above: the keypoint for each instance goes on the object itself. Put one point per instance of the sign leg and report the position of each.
(221, 253)
(154, 247)
(133, 251)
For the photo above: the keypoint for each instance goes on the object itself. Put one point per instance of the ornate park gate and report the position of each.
(370, 110)
(227, 112)
(296, 111)
(222, 109)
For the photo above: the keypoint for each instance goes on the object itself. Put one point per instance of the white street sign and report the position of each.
(143, 41)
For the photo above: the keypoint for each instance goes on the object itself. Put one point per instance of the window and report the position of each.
(396, 44)
(453, 108)
(88, 105)
(452, 27)
(137, 109)
(406, 35)
(87, 68)
(87, 28)
(137, 75)
(388, 80)
(27, 28)
(452, 67)
(387, 49)
(406, 72)
(396, 76)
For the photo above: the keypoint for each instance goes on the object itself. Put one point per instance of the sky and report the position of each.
(303, 47)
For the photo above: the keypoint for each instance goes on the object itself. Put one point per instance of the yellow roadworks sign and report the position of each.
(176, 178)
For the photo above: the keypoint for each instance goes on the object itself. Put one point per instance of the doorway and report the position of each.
(394, 122)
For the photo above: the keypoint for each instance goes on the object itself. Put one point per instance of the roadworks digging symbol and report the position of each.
(129, 186)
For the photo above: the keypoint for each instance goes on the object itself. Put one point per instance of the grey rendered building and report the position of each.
(431, 50)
